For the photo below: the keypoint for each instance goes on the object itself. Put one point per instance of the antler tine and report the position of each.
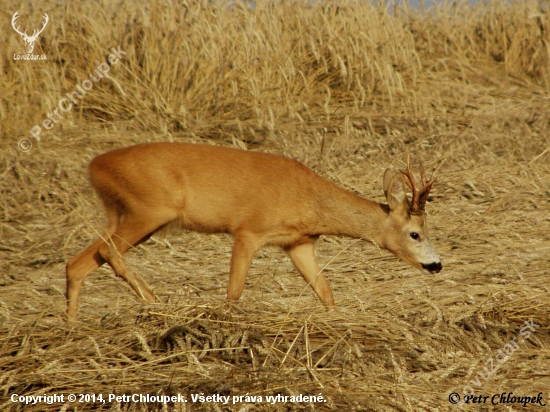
(15, 16)
(419, 195)
(13, 19)
(415, 201)
(408, 174)
(426, 187)
(46, 20)
(423, 175)
(37, 32)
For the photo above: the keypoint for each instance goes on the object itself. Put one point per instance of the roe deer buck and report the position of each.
(259, 198)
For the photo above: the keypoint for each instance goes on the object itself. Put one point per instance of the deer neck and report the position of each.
(344, 213)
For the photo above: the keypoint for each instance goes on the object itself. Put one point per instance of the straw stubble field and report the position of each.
(348, 89)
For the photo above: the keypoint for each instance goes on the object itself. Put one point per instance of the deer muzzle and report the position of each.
(434, 267)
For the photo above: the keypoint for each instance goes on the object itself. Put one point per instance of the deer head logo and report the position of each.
(29, 40)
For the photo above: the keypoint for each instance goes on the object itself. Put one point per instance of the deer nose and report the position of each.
(434, 267)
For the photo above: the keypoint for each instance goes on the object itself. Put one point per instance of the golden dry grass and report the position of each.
(346, 88)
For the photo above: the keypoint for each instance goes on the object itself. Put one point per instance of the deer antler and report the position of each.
(37, 32)
(24, 34)
(15, 16)
(419, 195)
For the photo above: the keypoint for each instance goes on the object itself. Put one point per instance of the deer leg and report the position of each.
(303, 258)
(79, 267)
(130, 233)
(77, 270)
(244, 248)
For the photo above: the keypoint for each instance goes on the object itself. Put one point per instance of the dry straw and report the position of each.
(347, 88)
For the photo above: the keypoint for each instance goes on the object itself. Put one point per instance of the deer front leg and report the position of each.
(303, 258)
(246, 245)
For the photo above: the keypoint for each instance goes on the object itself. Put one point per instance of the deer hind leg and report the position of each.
(132, 232)
(79, 267)
(109, 248)
(244, 248)
(303, 258)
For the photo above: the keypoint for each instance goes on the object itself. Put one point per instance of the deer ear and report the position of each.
(388, 174)
(394, 189)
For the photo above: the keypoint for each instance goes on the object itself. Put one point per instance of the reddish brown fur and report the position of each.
(260, 199)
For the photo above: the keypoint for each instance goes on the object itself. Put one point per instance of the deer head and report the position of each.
(406, 229)
(29, 40)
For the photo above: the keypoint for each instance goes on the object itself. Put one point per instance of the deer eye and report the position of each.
(415, 236)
